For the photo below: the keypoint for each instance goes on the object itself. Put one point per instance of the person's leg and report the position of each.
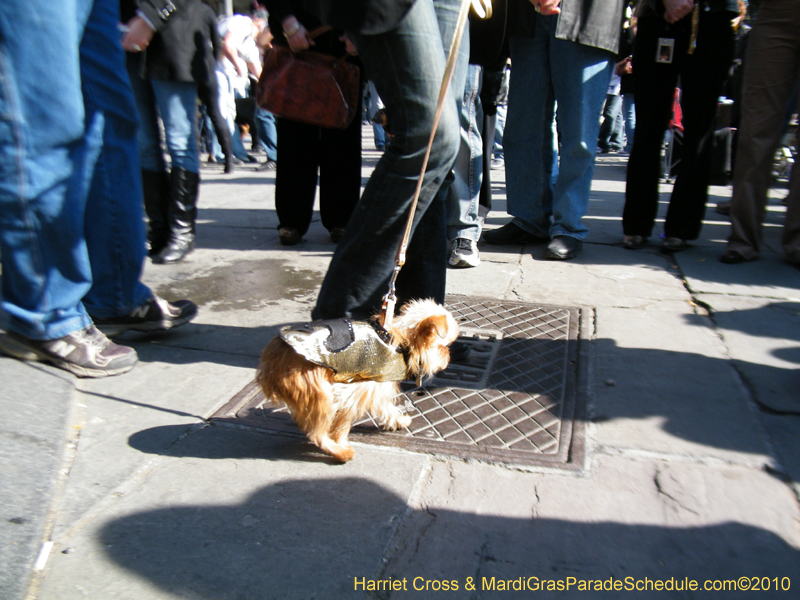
(218, 132)
(46, 157)
(629, 116)
(115, 227)
(771, 70)
(655, 89)
(464, 193)
(616, 140)
(528, 157)
(296, 176)
(702, 76)
(339, 175)
(611, 108)
(176, 105)
(580, 79)
(267, 132)
(407, 65)
(499, 127)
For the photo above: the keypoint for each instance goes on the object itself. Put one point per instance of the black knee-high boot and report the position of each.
(181, 216)
(156, 188)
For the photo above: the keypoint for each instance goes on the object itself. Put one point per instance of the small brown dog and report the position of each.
(329, 373)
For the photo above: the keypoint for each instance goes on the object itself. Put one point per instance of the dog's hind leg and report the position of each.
(320, 423)
(327, 445)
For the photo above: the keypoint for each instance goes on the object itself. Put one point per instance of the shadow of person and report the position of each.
(319, 538)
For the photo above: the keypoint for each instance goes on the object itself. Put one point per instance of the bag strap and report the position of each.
(390, 299)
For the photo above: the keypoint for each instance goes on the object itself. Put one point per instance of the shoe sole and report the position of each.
(555, 256)
(11, 348)
(461, 263)
(147, 327)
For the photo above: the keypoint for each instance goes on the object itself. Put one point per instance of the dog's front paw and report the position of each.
(400, 422)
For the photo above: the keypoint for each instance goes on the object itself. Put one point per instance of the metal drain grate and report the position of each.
(513, 400)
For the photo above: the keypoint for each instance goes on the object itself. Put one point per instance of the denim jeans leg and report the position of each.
(580, 76)
(527, 137)
(499, 126)
(148, 135)
(406, 64)
(46, 155)
(177, 102)
(629, 114)
(267, 132)
(115, 237)
(464, 193)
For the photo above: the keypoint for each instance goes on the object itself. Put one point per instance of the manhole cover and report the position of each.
(514, 399)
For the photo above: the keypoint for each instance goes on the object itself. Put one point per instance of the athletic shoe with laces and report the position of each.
(153, 316)
(464, 253)
(85, 353)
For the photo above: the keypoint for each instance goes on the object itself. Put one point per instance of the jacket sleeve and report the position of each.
(159, 12)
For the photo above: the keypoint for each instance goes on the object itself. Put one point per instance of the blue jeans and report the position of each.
(406, 65)
(176, 103)
(71, 218)
(612, 129)
(545, 70)
(499, 126)
(464, 194)
(267, 132)
(629, 115)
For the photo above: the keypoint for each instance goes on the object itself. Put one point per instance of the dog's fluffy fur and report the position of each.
(324, 410)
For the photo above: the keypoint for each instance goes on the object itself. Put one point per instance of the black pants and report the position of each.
(303, 150)
(702, 75)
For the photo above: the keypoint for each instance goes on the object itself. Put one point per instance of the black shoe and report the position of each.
(336, 234)
(289, 236)
(732, 257)
(563, 247)
(634, 242)
(511, 233)
(673, 244)
(153, 316)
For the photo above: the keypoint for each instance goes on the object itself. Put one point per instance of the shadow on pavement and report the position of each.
(316, 538)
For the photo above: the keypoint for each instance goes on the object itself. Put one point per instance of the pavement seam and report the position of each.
(413, 504)
(124, 488)
(76, 419)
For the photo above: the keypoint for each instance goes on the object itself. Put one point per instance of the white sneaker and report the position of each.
(464, 253)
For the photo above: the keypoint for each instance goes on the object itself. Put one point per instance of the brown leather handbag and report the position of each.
(309, 87)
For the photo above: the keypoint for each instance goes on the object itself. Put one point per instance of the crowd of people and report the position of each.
(135, 79)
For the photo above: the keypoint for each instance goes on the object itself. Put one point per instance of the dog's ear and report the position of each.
(435, 325)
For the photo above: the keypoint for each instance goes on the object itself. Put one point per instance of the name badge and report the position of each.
(666, 47)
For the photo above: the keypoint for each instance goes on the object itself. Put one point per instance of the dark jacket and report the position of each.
(595, 23)
(179, 50)
(488, 38)
(367, 17)
(650, 7)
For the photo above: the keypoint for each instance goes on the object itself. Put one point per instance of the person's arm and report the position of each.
(151, 16)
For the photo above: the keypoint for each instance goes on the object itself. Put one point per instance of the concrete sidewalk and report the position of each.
(692, 436)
